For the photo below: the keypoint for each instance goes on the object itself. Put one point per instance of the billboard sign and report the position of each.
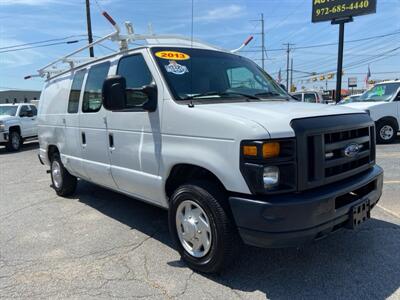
(328, 10)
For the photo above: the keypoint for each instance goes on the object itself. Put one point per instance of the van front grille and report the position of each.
(340, 147)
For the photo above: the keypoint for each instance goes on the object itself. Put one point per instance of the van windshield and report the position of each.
(207, 76)
(8, 110)
(380, 92)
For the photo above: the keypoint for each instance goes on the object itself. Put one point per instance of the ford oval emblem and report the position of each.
(352, 150)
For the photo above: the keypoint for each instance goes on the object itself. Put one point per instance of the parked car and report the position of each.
(18, 122)
(350, 99)
(309, 97)
(209, 136)
(382, 103)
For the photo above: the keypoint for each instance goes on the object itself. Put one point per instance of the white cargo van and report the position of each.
(211, 137)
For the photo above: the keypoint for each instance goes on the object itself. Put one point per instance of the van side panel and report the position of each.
(51, 115)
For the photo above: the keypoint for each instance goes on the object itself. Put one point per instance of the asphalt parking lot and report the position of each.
(100, 244)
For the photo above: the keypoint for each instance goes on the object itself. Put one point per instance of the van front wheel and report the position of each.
(63, 182)
(200, 227)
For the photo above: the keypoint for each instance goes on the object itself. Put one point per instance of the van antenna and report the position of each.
(191, 33)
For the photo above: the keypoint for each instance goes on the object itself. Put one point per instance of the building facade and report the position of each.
(18, 96)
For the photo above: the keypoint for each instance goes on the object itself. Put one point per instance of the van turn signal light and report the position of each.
(250, 150)
(271, 150)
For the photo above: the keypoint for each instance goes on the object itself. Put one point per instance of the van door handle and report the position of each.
(83, 139)
(111, 140)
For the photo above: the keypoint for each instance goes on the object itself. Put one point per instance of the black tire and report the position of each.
(380, 131)
(224, 242)
(14, 141)
(67, 185)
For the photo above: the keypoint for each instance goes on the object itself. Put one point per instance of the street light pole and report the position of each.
(339, 73)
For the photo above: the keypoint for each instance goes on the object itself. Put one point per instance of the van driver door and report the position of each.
(135, 134)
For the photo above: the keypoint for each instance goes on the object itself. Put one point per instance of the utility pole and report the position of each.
(89, 27)
(262, 33)
(291, 74)
(287, 64)
(262, 42)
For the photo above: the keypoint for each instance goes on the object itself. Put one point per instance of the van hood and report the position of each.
(275, 116)
(363, 105)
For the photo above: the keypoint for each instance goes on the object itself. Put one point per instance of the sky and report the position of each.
(222, 23)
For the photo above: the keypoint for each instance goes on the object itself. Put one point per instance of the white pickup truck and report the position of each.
(18, 122)
(382, 103)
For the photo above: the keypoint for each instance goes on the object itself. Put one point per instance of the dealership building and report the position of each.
(18, 96)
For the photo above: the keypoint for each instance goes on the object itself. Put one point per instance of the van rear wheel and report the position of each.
(201, 228)
(63, 182)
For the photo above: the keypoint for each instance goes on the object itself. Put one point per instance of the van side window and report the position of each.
(92, 97)
(137, 75)
(75, 93)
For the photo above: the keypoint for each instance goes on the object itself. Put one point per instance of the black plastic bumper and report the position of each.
(294, 219)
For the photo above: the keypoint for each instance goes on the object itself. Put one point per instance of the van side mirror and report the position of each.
(151, 91)
(114, 93)
(117, 97)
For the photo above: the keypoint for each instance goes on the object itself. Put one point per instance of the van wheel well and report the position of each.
(389, 120)
(184, 173)
(51, 151)
(15, 128)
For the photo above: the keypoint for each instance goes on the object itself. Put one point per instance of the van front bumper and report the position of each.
(291, 220)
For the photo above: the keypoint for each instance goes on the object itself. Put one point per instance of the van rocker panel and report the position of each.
(294, 219)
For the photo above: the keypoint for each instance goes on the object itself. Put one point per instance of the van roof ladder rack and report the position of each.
(52, 69)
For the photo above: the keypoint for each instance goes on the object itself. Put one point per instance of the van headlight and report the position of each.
(2, 126)
(270, 177)
(269, 166)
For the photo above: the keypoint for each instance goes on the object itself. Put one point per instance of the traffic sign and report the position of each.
(327, 10)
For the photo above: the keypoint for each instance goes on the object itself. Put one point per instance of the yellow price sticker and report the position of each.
(172, 55)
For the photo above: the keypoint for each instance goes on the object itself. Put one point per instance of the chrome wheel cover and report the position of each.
(193, 228)
(386, 132)
(56, 174)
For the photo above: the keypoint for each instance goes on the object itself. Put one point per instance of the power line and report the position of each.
(40, 46)
(331, 44)
(42, 42)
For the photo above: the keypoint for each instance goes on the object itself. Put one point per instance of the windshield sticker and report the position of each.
(172, 55)
(380, 91)
(176, 68)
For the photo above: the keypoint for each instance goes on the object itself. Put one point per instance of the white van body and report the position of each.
(139, 153)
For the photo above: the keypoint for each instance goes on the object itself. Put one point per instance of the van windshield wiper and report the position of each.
(269, 94)
(222, 94)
